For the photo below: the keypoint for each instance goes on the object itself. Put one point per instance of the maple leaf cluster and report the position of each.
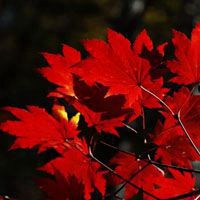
(118, 85)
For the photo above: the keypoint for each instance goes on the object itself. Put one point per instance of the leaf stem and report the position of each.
(197, 197)
(129, 127)
(161, 101)
(143, 119)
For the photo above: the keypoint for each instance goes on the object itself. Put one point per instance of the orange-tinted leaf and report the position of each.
(61, 67)
(35, 126)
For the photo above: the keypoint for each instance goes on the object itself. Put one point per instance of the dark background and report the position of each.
(28, 28)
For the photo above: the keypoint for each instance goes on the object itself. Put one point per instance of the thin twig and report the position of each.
(160, 100)
(191, 92)
(74, 146)
(197, 197)
(130, 128)
(143, 119)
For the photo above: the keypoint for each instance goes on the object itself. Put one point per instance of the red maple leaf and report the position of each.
(60, 73)
(77, 164)
(177, 184)
(174, 148)
(187, 106)
(187, 62)
(118, 67)
(61, 66)
(35, 126)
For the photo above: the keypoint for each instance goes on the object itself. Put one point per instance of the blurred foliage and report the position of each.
(28, 27)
